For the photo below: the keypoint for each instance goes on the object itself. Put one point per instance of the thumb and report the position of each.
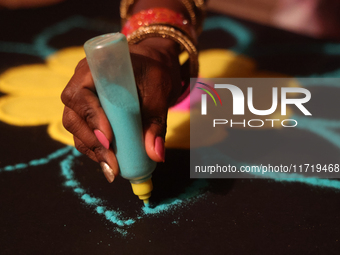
(154, 134)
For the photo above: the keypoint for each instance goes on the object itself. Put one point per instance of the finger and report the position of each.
(108, 172)
(154, 117)
(83, 149)
(85, 118)
(87, 140)
(154, 143)
(80, 96)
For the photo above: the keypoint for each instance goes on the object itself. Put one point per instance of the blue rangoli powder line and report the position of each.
(320, 81)
(113, 216)
(15, 167)
(60, 152)
(41, 41)
(37, 162)
(68, 173)
(19, 48)
(245, 38)
(192, 192)
(321, 127)
(242, 34)
(40, 47)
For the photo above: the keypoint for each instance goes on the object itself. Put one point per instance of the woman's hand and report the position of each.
(157, 73)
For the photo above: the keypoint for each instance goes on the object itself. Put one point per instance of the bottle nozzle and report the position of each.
(146, 202)
(143, 190)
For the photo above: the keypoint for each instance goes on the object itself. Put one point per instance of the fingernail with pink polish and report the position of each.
(159, 148)
(102, 138)
(108, 172)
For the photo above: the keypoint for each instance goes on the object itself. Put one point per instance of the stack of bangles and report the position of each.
(166, 23)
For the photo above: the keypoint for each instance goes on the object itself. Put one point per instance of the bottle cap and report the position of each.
(143, 190)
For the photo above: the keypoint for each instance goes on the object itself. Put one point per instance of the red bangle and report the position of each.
(159, 16)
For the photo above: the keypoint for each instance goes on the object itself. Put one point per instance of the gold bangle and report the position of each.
(124, 9)
(189, 6)
(199, 4)
(196, 10)
(200, 14)
(171, 33)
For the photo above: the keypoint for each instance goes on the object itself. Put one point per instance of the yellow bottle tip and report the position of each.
(143, 190)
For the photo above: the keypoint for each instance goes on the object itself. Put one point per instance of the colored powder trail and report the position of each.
(190, 193)
(68, 173)
(37, 162)
(15, 167)
(114, 216)
(90, 200)
(111, 215)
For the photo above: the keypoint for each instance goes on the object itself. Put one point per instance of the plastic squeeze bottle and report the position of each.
(109, 60)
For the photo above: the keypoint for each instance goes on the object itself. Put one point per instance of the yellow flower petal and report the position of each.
(35, 80)
(34, 92)
(30, 110)
(178, 131)
(219, 63)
